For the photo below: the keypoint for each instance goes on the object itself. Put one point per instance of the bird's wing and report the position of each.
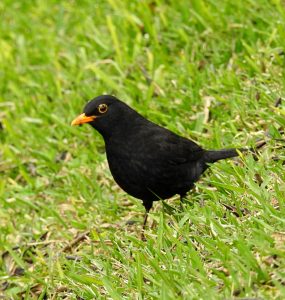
(172, 148)
(182, 150)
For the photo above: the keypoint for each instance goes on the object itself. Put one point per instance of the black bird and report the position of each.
(147, 161)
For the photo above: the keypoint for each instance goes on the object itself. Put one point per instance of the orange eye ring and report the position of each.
(102, 108)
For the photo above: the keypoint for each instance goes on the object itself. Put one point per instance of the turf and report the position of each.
(209, 70)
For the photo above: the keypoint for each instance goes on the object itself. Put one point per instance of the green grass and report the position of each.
(209, 70)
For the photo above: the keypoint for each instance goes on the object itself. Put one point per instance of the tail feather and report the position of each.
(212, 156)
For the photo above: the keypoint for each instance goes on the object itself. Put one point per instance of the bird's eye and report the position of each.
(102, 108)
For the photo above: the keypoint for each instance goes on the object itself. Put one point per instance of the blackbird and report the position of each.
(147, 161)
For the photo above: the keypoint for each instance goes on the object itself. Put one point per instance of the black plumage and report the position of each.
(146, 160)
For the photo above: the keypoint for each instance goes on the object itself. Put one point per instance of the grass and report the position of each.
(209, 70)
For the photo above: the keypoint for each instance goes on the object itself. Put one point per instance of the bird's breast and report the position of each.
(129, 170)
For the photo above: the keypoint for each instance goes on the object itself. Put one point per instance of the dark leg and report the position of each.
(145, 219)
(143, 238)
(182, 196)
(148, 206)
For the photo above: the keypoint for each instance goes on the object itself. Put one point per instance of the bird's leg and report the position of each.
(145, 219)
(143, 238)
(182, 196)
(148, 206)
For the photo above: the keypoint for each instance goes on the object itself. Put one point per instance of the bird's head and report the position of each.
(104, 113)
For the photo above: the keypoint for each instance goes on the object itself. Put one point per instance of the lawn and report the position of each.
(206, 69)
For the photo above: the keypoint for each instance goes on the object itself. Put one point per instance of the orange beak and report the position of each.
(81, 119)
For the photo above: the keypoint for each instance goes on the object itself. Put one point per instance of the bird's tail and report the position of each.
(212, 156)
